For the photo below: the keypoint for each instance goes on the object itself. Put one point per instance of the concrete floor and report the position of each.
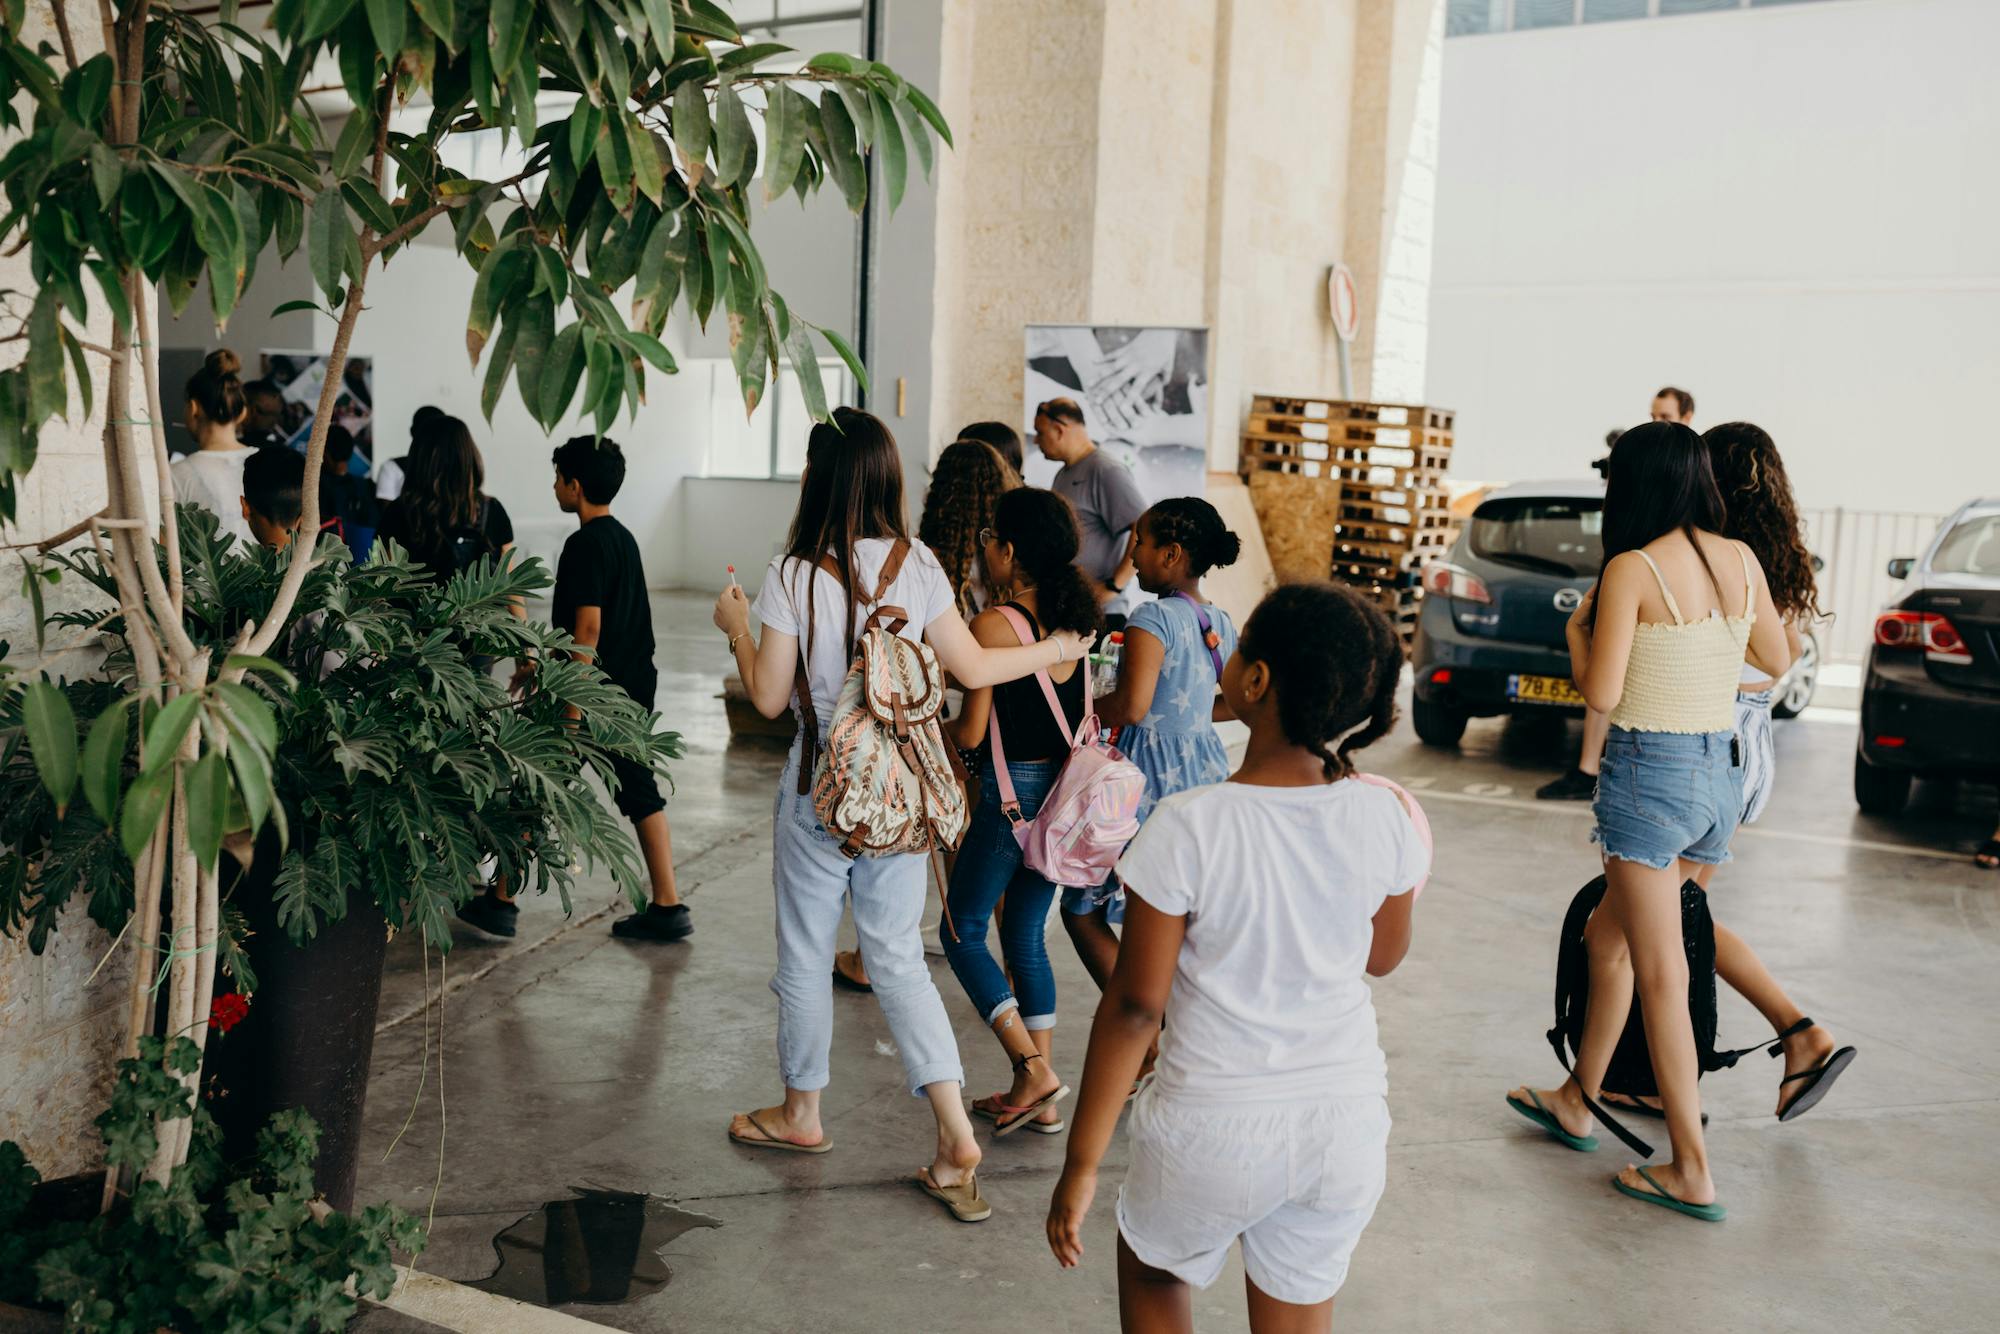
(569, 1059)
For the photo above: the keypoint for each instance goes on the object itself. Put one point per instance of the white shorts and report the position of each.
(1297, 1183)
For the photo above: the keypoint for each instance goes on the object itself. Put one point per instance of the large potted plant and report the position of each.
(157, 147)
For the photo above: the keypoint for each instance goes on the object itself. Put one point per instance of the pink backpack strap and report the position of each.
(1417, 817)
(1010, 806)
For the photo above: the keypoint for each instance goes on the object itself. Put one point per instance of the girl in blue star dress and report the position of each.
(1166, 699)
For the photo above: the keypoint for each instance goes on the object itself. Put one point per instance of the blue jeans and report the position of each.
(812, 879)
(1668, 795)
(989, 865)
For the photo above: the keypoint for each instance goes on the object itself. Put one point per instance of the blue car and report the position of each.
(1490, 636)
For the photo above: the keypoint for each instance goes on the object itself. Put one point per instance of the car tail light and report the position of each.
(1445, 580)
(1926, 630)
(1891, 742)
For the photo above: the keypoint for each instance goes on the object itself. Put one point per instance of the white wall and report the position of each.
(1789, 211)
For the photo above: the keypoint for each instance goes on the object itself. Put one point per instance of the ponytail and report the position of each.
(217, 388)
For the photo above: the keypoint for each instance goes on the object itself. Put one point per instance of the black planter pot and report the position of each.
(309, 1033)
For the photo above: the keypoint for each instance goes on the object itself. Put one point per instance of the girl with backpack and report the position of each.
(1669, 794)
(1760, 513)
(442, 516)
(1256, 910)
(1165, 702)
(1030, 554)
(850, 569)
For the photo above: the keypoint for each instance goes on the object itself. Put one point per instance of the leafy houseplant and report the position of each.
(181, 149)
(207, 1250)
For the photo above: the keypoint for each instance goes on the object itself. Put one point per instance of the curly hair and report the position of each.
(966, 483)
(1760, 513)
(1041, 527)
(1197, 527)
(1335, 662)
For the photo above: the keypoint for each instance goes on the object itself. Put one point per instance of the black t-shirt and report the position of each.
(600, 568)
(491, 530)
(1027, 725)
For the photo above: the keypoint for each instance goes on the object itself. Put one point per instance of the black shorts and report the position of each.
(638, 794)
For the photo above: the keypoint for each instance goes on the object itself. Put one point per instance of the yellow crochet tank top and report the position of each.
(1682, 676)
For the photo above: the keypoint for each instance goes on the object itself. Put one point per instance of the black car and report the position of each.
(1491, 636)
(1930, 702)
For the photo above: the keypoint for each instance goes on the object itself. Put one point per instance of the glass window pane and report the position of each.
(1697, 6)
(794, 424)
(1543, 13)
(738, 446)
(1758, 4)
(1473, 16)
(1604, 11)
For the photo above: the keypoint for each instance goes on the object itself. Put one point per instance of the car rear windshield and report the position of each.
(1971, 548)
(1561, 535)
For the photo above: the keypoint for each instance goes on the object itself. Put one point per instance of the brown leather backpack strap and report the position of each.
(891, 567)
(808, 727)
(892, 619)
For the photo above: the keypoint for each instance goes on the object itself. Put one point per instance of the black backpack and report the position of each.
(467, 545)
(1631, 1068)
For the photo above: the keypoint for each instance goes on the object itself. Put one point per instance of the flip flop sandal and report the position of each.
(770, 1141)
(991, 1108)
(1012, 1119)
(1990, 848)
(1619, 1102)
(1544, 1118)
(842, 978)
(1707, 1213)
(1818, 1082)
(967, 1205)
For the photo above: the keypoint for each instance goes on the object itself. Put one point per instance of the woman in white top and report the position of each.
(851, 512)
(212, 476)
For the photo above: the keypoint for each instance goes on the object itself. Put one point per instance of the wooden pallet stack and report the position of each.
(1355, 490)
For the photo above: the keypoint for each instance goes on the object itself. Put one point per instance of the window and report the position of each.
(1606, 11)
(1470, 16)
(1544, 13)
(1697, 6)
(771, 441)
(1556, 535)
(1466, 17)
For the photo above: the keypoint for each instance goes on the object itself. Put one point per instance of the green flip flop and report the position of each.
(1707, 1213)
(1544, 1118)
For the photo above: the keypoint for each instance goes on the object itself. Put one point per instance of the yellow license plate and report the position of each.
(1544, 690)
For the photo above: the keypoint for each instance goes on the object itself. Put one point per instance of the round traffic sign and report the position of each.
(1345, 304)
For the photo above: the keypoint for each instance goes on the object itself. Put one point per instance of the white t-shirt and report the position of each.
(389, 481)
(920, 589)
(213, 479)
(1279, 886)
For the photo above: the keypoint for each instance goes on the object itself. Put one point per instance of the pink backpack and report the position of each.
(1091, 813)
(1416, 814)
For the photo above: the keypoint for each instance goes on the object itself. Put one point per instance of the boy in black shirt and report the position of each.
(600, 599)
(273, 492)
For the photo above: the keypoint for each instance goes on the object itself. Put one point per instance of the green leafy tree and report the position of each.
(167, 147)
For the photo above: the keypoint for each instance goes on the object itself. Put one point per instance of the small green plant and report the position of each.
(205, 1249)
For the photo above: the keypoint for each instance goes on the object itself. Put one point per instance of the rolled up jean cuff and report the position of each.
(923, 1076)
(1037, 1023)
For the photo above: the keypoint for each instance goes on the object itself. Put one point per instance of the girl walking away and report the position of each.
(966, 483)
(1760, 513)
(443, 516)
(1165, 703)
(848, 556)
(1255, 908)
(1669, 795)
(1030, 557)
(212, 475)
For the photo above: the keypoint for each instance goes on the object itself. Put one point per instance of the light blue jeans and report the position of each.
(812, 879)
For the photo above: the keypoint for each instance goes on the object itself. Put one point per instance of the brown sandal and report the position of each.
(770, 1141)
(967, 1205)
(856, 980)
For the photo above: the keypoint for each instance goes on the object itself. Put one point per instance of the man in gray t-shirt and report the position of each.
(1106, 499)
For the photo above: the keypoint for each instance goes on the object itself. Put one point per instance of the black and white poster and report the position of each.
(1144, 394)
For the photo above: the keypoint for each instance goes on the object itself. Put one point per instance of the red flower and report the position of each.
(227, 1011)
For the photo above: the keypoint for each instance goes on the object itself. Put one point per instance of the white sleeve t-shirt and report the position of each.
(920, 589)
(213, 479)
(1279, 886)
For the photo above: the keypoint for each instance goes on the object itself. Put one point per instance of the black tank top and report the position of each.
(1027, 727)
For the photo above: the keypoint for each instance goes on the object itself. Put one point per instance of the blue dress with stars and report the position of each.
(1175, 745)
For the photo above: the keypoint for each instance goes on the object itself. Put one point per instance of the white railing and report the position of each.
(1857, 546)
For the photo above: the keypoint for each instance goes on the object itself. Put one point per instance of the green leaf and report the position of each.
(750, 56)
(919, 137)
(368, 202)
(438, 16)
(928, 110)
(784, 139)
(611, 62)
(512, 21)
(253, 783)
(78, 364)
(652, 349)
(614, 161)
(859, 109)
(208, 806)
(536, 325)
(323, 16)
(502, 268)
(498, 364)
(660, 27)
(837, 61)
(551, 275)
(649, 173)
(357, 136)
(247, 713)
(330, 233)
(846, 351)
(560, 374)
(107, 173)
(890, 150)
(104, 760)
(87, 91)
(844, 159)
(252, 662)
(805, 365)
(145, 802)
(51, 727)
(290, 306)
(169, 726)
(734, 139)
(114, 292)
(690, 120)
(705, 18)
(388, 20)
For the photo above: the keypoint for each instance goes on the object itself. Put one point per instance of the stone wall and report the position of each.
(59, 1030)
(1186, 162)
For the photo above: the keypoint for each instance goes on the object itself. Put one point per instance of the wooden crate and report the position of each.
(1298, 516)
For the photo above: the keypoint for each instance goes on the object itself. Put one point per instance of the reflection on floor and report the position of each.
(577, 1058)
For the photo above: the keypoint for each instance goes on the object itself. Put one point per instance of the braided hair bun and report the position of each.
(1197, 528)
(1335, 662)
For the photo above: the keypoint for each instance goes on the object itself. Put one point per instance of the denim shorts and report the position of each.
(1667, 795)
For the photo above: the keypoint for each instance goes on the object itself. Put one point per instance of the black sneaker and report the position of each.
(493, 916)
(1576, 785)
(656, 923)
